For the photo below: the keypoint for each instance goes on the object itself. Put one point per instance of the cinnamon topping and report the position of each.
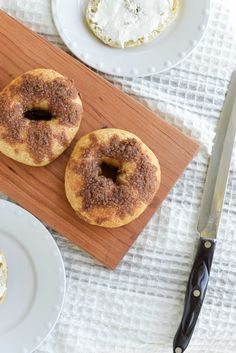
(59, 93)
(9, 119)
(27, 93)
(99, 191)
(62, 139)
(122, 150)
(39, 140)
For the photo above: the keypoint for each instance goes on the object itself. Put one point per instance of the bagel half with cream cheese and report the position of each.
(129, 23)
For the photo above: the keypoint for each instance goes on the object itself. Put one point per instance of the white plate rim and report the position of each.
(4, 204)
(117, 70)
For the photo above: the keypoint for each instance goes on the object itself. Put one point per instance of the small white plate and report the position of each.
(36, 281)
(170, 48)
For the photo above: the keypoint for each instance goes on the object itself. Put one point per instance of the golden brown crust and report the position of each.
(39, 142)
(100, 200)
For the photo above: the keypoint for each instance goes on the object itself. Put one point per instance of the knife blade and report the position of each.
(209, 218)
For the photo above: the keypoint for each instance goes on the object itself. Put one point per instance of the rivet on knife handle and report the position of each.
(196, 290)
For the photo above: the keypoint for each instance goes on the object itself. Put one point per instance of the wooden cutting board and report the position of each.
(41, 190)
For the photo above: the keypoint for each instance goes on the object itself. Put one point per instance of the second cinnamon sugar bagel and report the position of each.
(111, 177)
(40, 113)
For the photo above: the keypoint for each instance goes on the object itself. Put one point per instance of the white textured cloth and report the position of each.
(137, 307)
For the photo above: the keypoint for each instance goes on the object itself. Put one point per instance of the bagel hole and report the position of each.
(38, 114)
(109, 171)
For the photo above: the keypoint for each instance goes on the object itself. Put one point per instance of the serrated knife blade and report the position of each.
(218, 169)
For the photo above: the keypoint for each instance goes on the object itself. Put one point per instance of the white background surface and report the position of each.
(137, 307)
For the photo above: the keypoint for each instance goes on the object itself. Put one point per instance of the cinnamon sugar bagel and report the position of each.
(111, 177)
(40, 113)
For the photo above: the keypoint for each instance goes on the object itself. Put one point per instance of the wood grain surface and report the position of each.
(41, 190)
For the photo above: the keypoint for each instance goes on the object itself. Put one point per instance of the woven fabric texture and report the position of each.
(137, 307)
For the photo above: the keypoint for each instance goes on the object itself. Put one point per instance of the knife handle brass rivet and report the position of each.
(196, 293)
(207, 244)
(178, 350)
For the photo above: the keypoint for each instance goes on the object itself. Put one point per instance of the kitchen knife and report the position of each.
(209, 218)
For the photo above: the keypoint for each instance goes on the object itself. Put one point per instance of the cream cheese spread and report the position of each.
(126, 20)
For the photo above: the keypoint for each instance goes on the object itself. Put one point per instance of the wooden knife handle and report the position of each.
(196, 290)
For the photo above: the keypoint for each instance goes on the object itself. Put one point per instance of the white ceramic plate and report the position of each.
(36, 281)
(171, 47)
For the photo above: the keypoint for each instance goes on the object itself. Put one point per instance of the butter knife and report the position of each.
(209, 218)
